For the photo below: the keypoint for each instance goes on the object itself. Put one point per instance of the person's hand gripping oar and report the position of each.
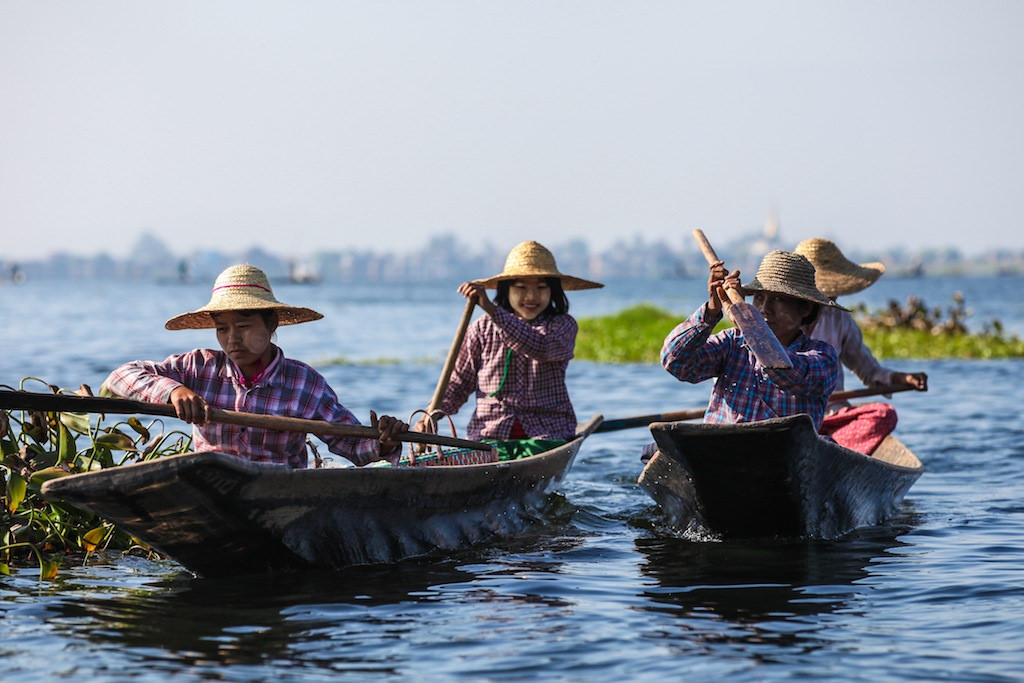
(724, 293)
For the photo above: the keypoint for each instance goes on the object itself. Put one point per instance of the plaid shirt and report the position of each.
(746, 391)
(287, 388)
(534, 390)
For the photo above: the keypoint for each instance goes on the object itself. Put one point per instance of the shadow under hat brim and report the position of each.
(202, 318)
(754, 286)
(569, 283)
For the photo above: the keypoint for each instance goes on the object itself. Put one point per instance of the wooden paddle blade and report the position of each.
(758, 337)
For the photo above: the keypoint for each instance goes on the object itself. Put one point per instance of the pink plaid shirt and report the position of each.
(534, 391)
(287, 387)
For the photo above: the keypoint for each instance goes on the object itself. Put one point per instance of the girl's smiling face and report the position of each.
(245, 339)
(529, 297)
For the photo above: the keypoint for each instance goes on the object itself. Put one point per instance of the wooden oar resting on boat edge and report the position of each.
(24, 400)
(697, 413)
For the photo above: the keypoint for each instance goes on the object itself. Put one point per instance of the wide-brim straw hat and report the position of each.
(531, 259)
(241, 288)
(784, 272)
(835, 274)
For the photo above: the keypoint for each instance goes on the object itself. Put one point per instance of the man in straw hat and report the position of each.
(249, 374)
(514, 357)
(863, 427)
(784, 292)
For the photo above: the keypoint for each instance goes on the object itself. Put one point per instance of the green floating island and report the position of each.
(636, 334)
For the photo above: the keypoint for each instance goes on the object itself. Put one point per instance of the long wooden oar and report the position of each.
(453, 354)
(765, 346)
(24, 400)
(697, 413)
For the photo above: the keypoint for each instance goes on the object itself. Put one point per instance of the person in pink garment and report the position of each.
(863, 427)
(250, 374)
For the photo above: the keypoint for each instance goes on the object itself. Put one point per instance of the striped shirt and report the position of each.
(745, 390)
(530, 389)
(287, 388)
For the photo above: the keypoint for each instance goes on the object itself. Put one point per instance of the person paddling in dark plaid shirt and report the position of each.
(744, 390)
(250, 374)
(515, 356)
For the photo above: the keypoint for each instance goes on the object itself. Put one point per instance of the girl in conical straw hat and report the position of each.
(863, 427)
(515, 356)
(745, 391)
(251, 374)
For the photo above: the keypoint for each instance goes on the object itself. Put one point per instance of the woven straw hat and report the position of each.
(241, 288)
(784, 272)
(531, 259)
(835, 274)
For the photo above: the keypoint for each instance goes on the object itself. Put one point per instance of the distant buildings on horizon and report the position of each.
(446, 258)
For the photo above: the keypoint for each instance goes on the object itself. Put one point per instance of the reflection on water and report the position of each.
(251, 620)
(361, 619)
(750, 584)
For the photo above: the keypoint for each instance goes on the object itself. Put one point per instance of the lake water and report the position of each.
(602, 589)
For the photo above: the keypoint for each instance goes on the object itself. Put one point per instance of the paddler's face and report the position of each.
(783, 313)
(244, 338)
(529, 297)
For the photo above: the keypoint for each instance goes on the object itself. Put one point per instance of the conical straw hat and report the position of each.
(241, 288)
(835, 274)
(784, 272)
(531, 259)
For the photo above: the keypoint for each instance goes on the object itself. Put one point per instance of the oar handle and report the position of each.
(711, 256)
(644, 420)
(872, 391)
(23, 400)
(453, 354)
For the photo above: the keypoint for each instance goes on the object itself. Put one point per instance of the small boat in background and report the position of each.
(220, 515)
(773, 478)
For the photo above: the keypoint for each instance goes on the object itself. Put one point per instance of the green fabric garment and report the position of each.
(515, 449)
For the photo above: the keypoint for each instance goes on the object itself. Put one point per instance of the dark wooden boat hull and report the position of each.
(774, 478)
(220, 515)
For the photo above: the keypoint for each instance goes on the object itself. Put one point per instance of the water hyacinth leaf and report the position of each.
(33, 431)
(78, 422)
(92, 538)
(115, 440)
(47, 570)
(38, 478)
(94, 459)
(65, 444)
(15, 492)
(135, 540)
(135, 424)
(42, 459)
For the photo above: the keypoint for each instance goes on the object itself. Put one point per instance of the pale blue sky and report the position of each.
(300, 126)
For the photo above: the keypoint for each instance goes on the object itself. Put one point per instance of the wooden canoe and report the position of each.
(774, 478)
(219, 515)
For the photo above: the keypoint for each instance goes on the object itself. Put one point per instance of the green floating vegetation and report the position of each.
(634, 335)
(913, 330)
(38, 446)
